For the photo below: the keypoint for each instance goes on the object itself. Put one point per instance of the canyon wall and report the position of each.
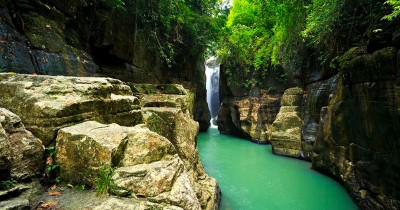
(85, 38)
(345, 121)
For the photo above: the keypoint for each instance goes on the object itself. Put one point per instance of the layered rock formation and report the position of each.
(46, 104)
(286, 129)
(77, 114)
(21, 153)
(357, 141)
(346, 121)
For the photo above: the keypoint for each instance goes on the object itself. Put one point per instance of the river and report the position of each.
(251, 177)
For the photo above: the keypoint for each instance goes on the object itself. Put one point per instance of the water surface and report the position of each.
(251, 177)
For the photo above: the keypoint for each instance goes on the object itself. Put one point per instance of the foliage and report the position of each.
(104, 181)
(260, 35)
(7, 184)
(263, 36)
(177, 29)
(80, 187)
(396, 9)
(51, 166)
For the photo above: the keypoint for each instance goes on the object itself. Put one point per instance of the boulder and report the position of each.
(21, 153)
(176, 126)
(148, 180)
(110, 145)
(286, 129)
(145, 164)
(47, 103)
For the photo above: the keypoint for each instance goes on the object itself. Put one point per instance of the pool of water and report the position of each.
(251, 177)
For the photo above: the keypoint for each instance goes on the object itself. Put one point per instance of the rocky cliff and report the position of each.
(345, 121)
(139, 148)
(85, 38)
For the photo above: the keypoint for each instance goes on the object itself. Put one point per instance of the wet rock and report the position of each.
(46, 103)
(286, 129)
(21, 153)
(317, 96)
(357, 140)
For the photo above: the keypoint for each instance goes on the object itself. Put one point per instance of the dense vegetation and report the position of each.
(176, 28)
(259, 38)
(263, 36)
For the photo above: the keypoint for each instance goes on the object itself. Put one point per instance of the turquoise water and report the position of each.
(251, 177)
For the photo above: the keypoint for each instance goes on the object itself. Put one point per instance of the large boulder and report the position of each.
(21, 153)
(182, 131)
(286, 129)
(146, 165)
(110, 145)
(46, 103)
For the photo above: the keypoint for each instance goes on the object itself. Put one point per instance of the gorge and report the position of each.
(103, 104)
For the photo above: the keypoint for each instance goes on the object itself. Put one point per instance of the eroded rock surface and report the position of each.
(21, 153)
(249, 117)
(358, 139)
(46, 104)
(286, 129)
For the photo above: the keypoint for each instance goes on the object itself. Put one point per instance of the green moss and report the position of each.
(43, 33)
(155, 123)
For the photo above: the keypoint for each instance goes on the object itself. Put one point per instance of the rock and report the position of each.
(148, 180)
(182, 194)
(115, 203)
(357, 139)
(21, 154)
(111, 145)
(286, 129)
(378, 66)
(15, 54)
(15, 204)
(46, 103)
(250, 117)
(317, 96)
(181, 130)
(142, 147)
(178, 128)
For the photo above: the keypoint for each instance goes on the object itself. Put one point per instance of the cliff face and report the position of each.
(346, 122)
(249, 114)
(357, 140)
(84, 38)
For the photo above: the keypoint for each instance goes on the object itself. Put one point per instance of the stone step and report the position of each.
(15, 204)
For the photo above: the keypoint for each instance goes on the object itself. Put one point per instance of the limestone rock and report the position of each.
(47, 103)
(141, 147)
(286, 129)
(115, 203)
(250, 118)
(357, 139)
(148, 180)
(15, 204)
(179, 129)
(21, 153)
(84, 148)
(182, 194)
(318, 95)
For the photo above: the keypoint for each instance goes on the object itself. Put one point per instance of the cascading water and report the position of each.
(212, 74)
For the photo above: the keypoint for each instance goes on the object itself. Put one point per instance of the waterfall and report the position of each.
(212, 74)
